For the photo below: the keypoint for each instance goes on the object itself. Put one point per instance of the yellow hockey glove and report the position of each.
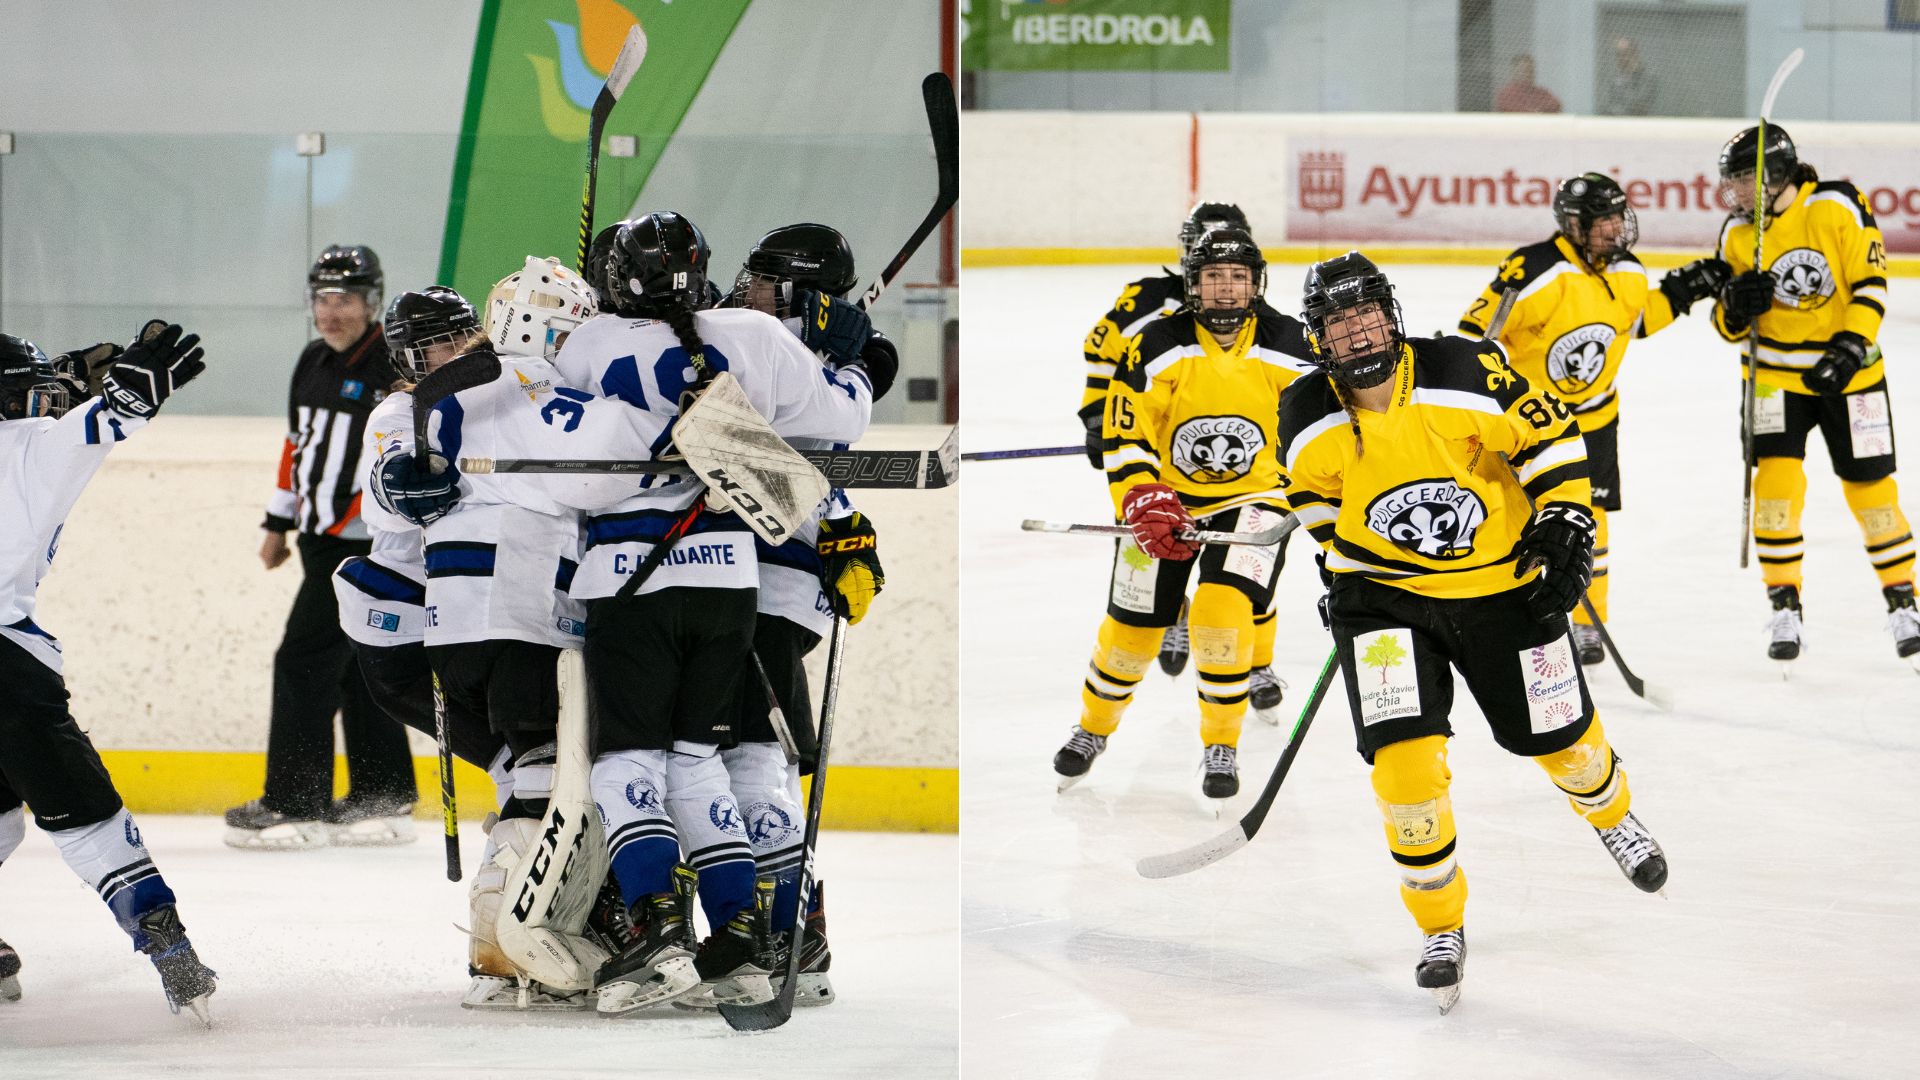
(850, 564)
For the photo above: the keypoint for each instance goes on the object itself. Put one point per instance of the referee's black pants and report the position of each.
(314, 676)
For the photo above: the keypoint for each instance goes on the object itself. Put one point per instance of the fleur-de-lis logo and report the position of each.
(1425, 531)
(1434, 518)
(1499, 375)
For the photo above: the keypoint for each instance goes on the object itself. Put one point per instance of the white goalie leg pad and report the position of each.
(700, 800)
(13, 829)
(767, 789)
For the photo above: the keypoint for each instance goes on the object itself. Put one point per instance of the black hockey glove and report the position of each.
(158, 362)
(833, 326)
(417, 490)
(882, 362)
(1558, 539)
(1698, 280)
(850, 564)
(1746, 298)
(83, 370)
(1093, 418)
(1846, 354)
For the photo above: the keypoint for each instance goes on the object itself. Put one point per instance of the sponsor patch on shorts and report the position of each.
(1388, 684)
(1217, 645)
(1552, 680)
(1769, 410)
(1134, 577)
(1870, 424)
(1245, 560)
(1416, 824)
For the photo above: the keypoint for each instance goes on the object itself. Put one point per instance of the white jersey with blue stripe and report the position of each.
(642, 363)
(44, 466)
(382, 595)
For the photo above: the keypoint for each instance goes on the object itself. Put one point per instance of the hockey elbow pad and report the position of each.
(882, 362)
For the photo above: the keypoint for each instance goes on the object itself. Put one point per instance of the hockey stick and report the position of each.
(1263, 538)
(943, 123)
(936, 468)
(632, 52)
(771, 1014)
(776, 718)
(1009, 455)
(1187, 860)
(448, 812)
(1749, 391)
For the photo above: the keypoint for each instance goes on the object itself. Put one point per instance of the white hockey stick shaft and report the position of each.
(1263, 538)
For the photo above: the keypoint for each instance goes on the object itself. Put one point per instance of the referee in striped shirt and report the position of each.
(339, 379)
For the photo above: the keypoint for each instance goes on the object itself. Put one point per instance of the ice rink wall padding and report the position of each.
(1065, 187)
(169, 623)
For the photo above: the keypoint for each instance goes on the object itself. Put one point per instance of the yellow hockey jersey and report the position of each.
(1140, 303)
(1830, 262)
(1185, 412)
(1569, 326)
(1417, 497)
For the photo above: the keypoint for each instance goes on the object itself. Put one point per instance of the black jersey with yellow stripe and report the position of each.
(1187, 412)
(1139, 303)
(1829, 263)
(1417, 496)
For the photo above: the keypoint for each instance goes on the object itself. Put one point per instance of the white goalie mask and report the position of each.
(532, 309)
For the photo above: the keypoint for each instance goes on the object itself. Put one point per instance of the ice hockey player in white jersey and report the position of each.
(671, 588)
(48, 453)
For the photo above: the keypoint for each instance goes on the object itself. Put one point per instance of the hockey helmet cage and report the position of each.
(1232, 245)
(1342, 283)
(354, 269)
(417, 321)
(1737, 162)
(1210, 215)
(795, 257)
(1587, 198)
(29, 385)
(530, 310)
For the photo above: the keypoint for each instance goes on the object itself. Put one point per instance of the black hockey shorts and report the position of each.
(1145, 591)
(1858, 428)
(782, 646)
(45, 759)
(506, 686)
(665, 666)
(1396, 647)
(1603, 464)
(400, 678)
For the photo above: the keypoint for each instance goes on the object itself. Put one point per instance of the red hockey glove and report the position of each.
(1161, 526)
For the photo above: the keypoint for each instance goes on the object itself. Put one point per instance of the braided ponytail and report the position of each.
(1353, 418)
(681, 320)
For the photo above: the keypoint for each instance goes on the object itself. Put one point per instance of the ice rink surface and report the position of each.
(1786, 945)
(345, 963)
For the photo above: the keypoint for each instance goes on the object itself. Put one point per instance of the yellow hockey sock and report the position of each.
(1779, 494)
(1889, 539)
(1220, 628)
(1119, 660)
(1263, 628)
(1597, 591)
(1410, 781)
(1591, 777)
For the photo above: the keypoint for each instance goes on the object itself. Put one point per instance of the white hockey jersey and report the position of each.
(44, 466)
(383, 595)
(641, 362)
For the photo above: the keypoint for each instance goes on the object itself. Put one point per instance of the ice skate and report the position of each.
(816, 958)
(736, 962)
(1587, 644)
(1220, 775)
(1637, 852)
(1264, 692)
(496, 983)
(253, 827)
(370, 822)
(657, 965)
(1903, 622)
(1174, 646)
(9, 973)
(1784, 631)
(187, 981)
(1075, 758)
(1443, 966)
(517, 993)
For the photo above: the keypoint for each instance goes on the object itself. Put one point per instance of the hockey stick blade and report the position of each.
(632, 52)
(1208, 852)
(1012, 455)
(1779, 79)
(859, 469)
(1263, 538)
(463, 372)
(943, 123)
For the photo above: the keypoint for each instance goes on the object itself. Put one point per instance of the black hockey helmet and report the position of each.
(1234, 246)
(1737, 160)
(658, 263)
(29, 385)
(416, 321)
(354, 269)
(1344, 283)
(795, 257)
(1210, 215)
(596, 269)
(1590, 197)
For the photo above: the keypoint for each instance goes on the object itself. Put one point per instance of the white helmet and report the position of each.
(531, 309)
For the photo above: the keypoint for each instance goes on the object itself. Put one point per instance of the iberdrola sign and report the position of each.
(537, 67)
(1097, 35)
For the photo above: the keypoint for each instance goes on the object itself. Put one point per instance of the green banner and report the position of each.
(537, 67)
(1096, 35)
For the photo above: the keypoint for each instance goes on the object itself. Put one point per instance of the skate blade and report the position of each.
(493, 993)
(10, 988)
(743, 988)
(198, 1007)
(375, 832)
(1786, 670)
(280, 837)
(1067, 782)
(815, 990)
(671, 978)
(1270, 717)
(1446, 997)
(1915, 661)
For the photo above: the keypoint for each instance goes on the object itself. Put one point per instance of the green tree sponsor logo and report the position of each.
(1131, 554)
(1384, 652)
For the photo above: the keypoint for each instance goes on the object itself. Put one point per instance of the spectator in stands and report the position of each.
(1629, 90)
(1522, 94)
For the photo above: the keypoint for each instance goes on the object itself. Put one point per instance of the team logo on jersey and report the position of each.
(644, 796)
(1578, 357)
(768, 825)
(1802, 279)
(1323, 181)
(1217, 449)
(724, 814)
(1435, 518)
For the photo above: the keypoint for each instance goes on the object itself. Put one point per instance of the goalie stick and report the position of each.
(1187, 860)
(771, 1014)
(1263, 538)
(632, 52)
(936, 468)
(1749, 388)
